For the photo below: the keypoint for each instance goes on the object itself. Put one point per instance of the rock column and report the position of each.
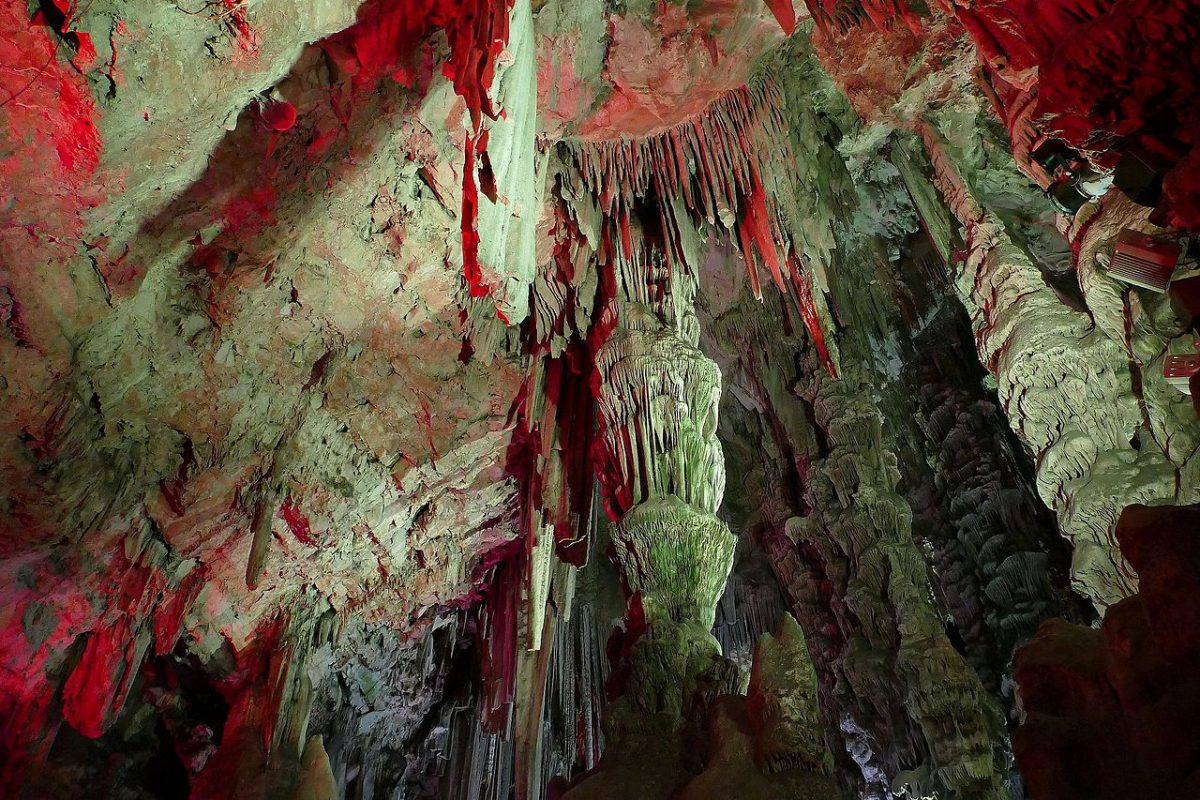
(1065, 386)
(663, 474)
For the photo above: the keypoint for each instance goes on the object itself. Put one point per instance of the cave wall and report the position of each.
(241, 397)
(1110, 711)
(1079, 372)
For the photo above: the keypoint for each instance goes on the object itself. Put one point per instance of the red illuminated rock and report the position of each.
(1113, 713)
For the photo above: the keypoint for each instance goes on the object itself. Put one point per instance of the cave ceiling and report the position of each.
(598, 398)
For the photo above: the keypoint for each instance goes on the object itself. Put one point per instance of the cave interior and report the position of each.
(600, 399)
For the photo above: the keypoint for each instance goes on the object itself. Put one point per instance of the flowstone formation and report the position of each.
(937, 688)
(543, 399)
(1077, 356)
(664, 474)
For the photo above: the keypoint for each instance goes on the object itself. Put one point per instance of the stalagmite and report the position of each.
(855, 500)
(664, 475)
(317, 781)
(783, 698)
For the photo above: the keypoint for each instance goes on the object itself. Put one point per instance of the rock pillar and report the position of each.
(663, 474)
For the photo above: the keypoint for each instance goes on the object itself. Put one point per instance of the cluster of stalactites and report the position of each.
(844, 16)
(658, 401)
(715, 170)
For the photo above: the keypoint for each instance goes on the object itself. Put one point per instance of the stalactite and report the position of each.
(385, 42)
(512, 165)
(663, 475)
(552, 454)
(722, 169)
(462, 759)
(473, 763)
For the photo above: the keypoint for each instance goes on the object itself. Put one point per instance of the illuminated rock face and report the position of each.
(872, 531)
(444, 399)
(610, 71)
(252, 413)
(666, 473)
(1065, 374)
